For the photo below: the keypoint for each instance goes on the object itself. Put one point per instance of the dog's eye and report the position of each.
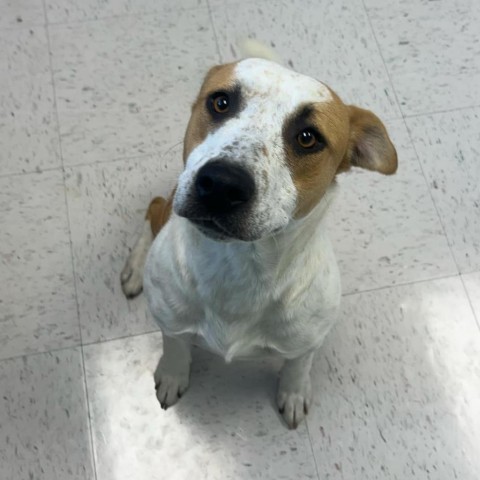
(220, 103)
(307, 138)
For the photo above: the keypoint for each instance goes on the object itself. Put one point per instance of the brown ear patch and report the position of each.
(369, 146)
(159, 212)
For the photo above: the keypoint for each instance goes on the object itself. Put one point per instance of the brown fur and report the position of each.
(370, 146)
(218, 78)
(355, 137)
(159, 212)
(313, 172)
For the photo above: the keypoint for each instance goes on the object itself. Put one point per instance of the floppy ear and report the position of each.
(369, 145)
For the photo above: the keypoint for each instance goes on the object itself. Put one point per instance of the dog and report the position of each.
(237, 259)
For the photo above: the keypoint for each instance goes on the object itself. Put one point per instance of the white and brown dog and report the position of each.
(242, 264)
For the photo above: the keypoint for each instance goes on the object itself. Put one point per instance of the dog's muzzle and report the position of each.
(221, 197)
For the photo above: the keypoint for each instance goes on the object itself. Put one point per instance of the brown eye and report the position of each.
(307, 138)
(220, 103)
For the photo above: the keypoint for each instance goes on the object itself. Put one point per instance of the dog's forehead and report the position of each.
(266, 79)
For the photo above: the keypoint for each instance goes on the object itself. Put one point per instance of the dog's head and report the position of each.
(263, 145)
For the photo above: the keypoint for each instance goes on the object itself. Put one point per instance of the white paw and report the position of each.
(170, 386)
(131, 278)
(294, 402)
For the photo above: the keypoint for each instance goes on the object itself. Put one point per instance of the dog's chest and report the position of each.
(236, 302)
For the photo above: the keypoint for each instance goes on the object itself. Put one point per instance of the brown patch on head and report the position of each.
(352, 137)
(314, 170)
(219, 78)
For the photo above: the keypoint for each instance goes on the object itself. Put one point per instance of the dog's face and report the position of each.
(263, 145)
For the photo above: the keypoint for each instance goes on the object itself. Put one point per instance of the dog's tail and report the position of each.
(250, 47)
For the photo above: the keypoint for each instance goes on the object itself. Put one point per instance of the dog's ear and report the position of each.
(369, 145)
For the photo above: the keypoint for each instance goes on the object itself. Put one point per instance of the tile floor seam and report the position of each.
(62, 167)
(89, 415)
(41, 352)
(380, 52)
(31, 172)
(439, 112)
(477, 319)
(67, 211)
(452, 253)
(77, 345)
(402, 284)
(143, 156)
(142, 13)
(210, 16)
(311, 448)
(25, 26)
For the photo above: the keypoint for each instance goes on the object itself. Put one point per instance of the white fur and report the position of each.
(239, 299)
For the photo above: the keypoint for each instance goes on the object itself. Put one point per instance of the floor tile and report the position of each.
(448, 147)
(17, 13)
(472, 284)
(431, 50)
(37, 302)
(385, 230)
(397, 383)
(398, 387)
(28, 131)
(224, 427)
(43, 414)
(330, 41)
(62, 11)
(125, 85)
(107, 204)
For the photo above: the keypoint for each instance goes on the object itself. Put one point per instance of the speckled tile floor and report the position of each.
(94, 99)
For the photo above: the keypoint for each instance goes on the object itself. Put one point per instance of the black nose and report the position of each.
(222, 187)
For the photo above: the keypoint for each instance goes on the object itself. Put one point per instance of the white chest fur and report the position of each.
(239, 299)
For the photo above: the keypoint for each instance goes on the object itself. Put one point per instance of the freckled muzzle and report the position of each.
(221, 199)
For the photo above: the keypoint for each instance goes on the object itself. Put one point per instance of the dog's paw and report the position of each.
(170, 386)
(131, 278)
(294, 402)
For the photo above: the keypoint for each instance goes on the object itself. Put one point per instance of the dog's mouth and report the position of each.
(212, 229)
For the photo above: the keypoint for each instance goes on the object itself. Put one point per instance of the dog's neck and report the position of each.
(278, 249)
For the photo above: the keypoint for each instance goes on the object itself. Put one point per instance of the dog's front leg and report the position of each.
(294, 394)
(173, 370)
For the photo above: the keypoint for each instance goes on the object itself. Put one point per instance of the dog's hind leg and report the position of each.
(131, 277)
